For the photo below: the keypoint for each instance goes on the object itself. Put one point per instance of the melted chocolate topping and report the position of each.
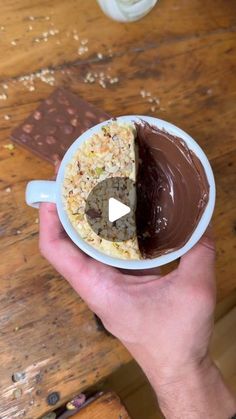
(172, 191)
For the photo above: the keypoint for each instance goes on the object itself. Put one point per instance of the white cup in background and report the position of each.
(126, 10)
(51, 191)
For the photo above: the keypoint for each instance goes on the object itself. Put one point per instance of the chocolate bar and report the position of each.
(56, 124)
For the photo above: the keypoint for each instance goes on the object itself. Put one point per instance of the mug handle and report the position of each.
(38, 191)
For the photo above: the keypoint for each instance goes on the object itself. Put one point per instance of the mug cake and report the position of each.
(169, 196)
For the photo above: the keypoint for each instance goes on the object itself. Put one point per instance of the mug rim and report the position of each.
(142, 263)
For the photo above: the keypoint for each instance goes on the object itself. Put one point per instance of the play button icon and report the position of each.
(117, 210)
(110, 209)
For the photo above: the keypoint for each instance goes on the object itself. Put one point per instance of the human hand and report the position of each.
(164, 321)
(173, 313)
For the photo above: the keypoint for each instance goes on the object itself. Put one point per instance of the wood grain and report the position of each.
(169, 23)
(106, 406)
(184, 54)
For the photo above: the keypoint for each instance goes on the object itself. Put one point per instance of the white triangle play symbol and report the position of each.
(116, 209)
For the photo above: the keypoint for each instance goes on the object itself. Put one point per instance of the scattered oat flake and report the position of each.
(114, 80)
(150, 98)
(9, 146)
(5, 86)
(47, 18)
(102, 83)
(53, 32)
(18, 232)
(31, 18)
(3, 96)
(36, 220)
(16, 329)
(46, 35)
(82, 50)
(7, 117)
(2, 28)
(45, 75)
(30, 28)
(76, 37)
(101, 78)
(143, 93)
(8, 190)
(89, 78)
(17, 393)
(13, 42)
(84, 41)
(100, 55)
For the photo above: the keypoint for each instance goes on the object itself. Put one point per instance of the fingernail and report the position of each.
(47, 205)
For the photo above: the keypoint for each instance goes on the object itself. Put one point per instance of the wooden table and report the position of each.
(107, 406)
(183, 54)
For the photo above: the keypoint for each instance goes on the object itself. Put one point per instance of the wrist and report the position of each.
(191, 374)
(163, 370)
(197, 392)
(190, 389)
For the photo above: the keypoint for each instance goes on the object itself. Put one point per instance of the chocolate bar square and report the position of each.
(56, 124)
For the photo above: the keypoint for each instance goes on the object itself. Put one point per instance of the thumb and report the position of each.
(87, 276)
(200, 260)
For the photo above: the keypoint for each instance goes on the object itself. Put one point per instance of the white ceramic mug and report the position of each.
(126, 10)
(51, 191)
